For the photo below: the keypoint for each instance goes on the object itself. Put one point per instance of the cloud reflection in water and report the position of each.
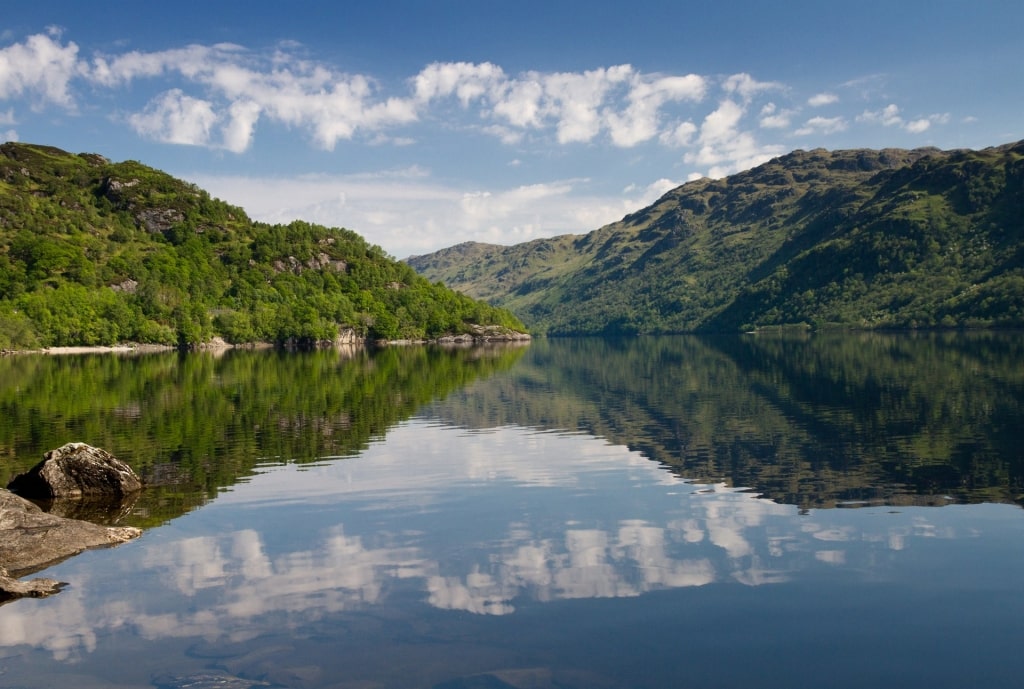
(477, 522)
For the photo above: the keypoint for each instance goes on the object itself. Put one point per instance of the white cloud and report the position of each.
(520, 103)
(507, 135)
(9, 135)
(774, 118)
(241, 88)
(822, 125)
(681, 135)
(619, 101)
(655, 190)
(746, 87)
(575, 99)
(175, 118)
(241, 127)
(191, 62)
(890, 116)
(723, 147)
(40, 68)
(720, 125)
(7, 118)
(822, 99)
(640, 121)
(468, 81)
(917, 126)
(406, 212)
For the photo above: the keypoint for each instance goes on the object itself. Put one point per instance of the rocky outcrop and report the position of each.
(321, 261)
(157, 220)
(486, 333)
(77, 470)
(76, 479)
(31, 540)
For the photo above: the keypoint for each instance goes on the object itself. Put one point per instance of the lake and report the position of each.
(752, 511)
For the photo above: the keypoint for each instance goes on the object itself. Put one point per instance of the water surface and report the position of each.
(586, 513)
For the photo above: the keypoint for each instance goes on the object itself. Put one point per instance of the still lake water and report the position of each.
(840, 511)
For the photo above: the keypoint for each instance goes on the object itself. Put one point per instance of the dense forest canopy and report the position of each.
(94, 252)
(860, 238)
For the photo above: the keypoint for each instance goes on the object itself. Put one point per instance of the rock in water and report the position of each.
(31, 539)
(11, 589)
(207, 680)
(77, 469)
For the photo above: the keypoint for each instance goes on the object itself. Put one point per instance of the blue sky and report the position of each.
(424, 124)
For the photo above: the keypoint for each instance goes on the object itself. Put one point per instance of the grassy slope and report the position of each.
(859, 238)
(94, 252)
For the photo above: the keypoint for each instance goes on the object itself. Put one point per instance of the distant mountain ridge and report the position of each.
(861, 238)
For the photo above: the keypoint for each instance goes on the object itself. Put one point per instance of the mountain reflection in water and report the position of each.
(512, 530)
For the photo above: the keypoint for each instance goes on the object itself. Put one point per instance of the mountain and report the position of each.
(859, 238)
(94, 252)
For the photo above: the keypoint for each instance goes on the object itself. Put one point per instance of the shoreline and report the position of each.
(218, 345)
(131, 348)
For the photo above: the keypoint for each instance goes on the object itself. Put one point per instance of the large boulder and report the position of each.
(31, 540)
(77, 470)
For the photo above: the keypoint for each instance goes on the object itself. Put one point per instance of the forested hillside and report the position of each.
(94, 252)
(860, 238)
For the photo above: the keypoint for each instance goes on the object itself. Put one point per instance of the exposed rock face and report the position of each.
(348, 336)
(74, 470)
(157, 220)
(321, 261)
(486, 333)
(31, 539)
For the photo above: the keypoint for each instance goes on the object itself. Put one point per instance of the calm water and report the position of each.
(660, 512)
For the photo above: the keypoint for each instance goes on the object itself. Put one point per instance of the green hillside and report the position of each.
(859, 238)
(94, 252)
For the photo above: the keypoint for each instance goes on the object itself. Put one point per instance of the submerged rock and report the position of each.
(74, 470)
(31, 540)
(206, 680)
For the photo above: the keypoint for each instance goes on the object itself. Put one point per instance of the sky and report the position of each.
(420, 125)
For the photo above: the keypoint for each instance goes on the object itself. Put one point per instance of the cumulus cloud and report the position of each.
(723, 147)
(618, 101)
(221, 95)
(40, 68)
(653, 191)
(773, 117)
(242, 87)
(746, 86)
(680, 135)
(575, 99)
(918, 126)
(822, 99)
(176, 118)
(191, 62)
(241, 126)
(625, 105)
(640, 120)
(822, 125)
(890, 116)
(465, 80)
